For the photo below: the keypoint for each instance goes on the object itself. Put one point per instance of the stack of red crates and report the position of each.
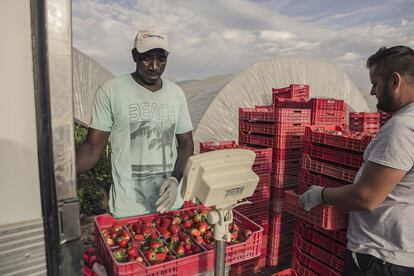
(332, 158)
(328, 112)
(258, 210)
(280, 126)
(364, 122)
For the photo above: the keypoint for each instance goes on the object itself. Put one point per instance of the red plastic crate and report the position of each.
(264, 114)
(211, 146)
(326, 216)
(318, 104)
(287, 166)
(308, 179)
(336, 235)
(189, 265)
(351, 141)
(305, 260)
(290, 103)
(277, 206)
(328, 117)
(256, 208)
(293, 91)
(263, 155)
(301, 269)
(285, 180)
(327, 243)
(279, 233)
(364, 117)
(281, 218)
(277, 193)
(249, 267)
(280, 154)
(278, 141)
(272, 128)
(350, 159)
(370, 129)
(276, 258)
(340, 173)
(322, 256)
(286, 272)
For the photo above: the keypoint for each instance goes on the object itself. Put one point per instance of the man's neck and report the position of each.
(151, 87)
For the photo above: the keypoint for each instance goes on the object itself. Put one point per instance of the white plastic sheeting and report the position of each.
(87, 76)
(214, 103)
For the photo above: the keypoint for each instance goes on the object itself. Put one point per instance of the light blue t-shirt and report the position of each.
(143, 125)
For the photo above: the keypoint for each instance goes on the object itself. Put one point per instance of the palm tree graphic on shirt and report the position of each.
(160, 136)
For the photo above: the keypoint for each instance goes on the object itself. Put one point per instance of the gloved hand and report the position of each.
(312, 197)
(168, 194)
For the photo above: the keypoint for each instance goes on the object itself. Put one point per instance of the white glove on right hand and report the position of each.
(168, 194)
(312, 197)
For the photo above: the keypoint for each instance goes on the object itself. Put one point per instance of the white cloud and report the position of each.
(215, 37)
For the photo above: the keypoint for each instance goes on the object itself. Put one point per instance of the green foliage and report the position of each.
(93, 186)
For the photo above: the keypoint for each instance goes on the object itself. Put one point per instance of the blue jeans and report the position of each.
(372, 266)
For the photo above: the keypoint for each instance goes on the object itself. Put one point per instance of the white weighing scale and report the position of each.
(219, 179)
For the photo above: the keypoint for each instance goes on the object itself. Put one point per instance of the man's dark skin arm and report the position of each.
(185, 150)
(91, 150)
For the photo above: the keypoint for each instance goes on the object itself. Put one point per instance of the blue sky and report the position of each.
(212, 37)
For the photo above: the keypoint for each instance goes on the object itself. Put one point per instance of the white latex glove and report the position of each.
(312, 197)
(168, 194)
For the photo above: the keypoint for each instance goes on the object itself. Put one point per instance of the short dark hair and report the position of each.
(395, 59)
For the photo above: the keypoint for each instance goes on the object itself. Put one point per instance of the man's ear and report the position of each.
(396, 79)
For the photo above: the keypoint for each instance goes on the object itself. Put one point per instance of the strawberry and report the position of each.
(208, 234)
(187, 224)
(184, 237)
(164, 232)
(156, 243)
(170, 257)
(137, 226)
(126, 235)
(110, 242)
(165, 222)
(105, 232)
(174, 228)
(234, 235)
(156, 221)
(119, 254)
(174, 239)
(133, 252)
(160, 257)
(151, 256)
(180, 250)
(139, 238)
(90, 251)
(185, 216)
(195, 232)
(117, 226)
(136, 245)
(176, 220)
(235, 227)
(92, 260)
(123, 244)
(202, 226)
(199, 239)
(195, 248)
(115, 236)
(187, 246)
(140, 259)
(247, 233)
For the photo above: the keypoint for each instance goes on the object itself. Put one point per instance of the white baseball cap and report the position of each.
(150, 38)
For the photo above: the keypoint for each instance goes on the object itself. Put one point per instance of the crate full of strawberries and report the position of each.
(176, 243)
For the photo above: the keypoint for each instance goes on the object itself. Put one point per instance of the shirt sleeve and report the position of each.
(183, 121)
(102, 118)
(395, 147)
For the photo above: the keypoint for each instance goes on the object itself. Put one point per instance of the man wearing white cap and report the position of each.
(151, 132)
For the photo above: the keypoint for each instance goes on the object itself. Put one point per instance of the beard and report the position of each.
(386, 102)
